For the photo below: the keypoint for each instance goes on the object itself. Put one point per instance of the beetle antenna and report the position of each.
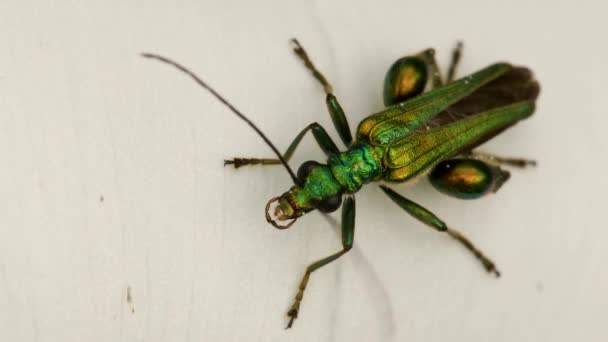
(228, 104)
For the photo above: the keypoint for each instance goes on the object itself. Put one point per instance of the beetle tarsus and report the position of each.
(490, 267)
(301, 53)
(236, 162)
(517, 162)
(485, 261)
(293, 314)
(509, 161)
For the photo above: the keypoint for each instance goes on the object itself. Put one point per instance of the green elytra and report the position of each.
(419, 132)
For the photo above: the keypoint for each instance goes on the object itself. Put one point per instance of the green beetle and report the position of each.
(419, 132)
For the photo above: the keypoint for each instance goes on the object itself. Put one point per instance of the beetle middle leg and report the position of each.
(348, 236)
(333, 106)
(428, 218)
(335, 111)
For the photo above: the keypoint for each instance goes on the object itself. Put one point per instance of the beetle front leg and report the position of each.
(333, 106)
(428, 218)
(322, 138)
(348, 236)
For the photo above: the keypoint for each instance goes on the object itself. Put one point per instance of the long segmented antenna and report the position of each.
(228, 104)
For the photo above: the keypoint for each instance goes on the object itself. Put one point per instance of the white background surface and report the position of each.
(82, 118)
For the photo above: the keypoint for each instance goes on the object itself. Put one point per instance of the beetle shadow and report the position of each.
(371, 280)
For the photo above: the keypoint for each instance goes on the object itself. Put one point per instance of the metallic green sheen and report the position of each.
(462, 178)
(418, 152)
(348, 222)
(361, 164)
(339, 119)
(319, 185)
(416, 210)
(398, 121)
(405, 79)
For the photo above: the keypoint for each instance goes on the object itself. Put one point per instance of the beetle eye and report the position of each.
(330, 204)
(305, 169)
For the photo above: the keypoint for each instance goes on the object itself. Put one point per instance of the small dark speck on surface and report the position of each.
(540, 287)
(130, 299)
(101, 198)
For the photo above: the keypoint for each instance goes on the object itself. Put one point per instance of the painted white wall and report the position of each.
(112, 176)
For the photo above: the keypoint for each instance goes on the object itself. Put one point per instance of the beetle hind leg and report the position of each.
(410, 75)
(456, 54)
(467, 178)
(429, 57)
(508, 161)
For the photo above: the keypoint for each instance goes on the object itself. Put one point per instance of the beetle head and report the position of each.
(317, 189)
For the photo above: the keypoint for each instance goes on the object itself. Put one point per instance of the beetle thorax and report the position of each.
(361, 164)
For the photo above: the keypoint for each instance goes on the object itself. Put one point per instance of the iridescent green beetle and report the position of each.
(418, 133)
